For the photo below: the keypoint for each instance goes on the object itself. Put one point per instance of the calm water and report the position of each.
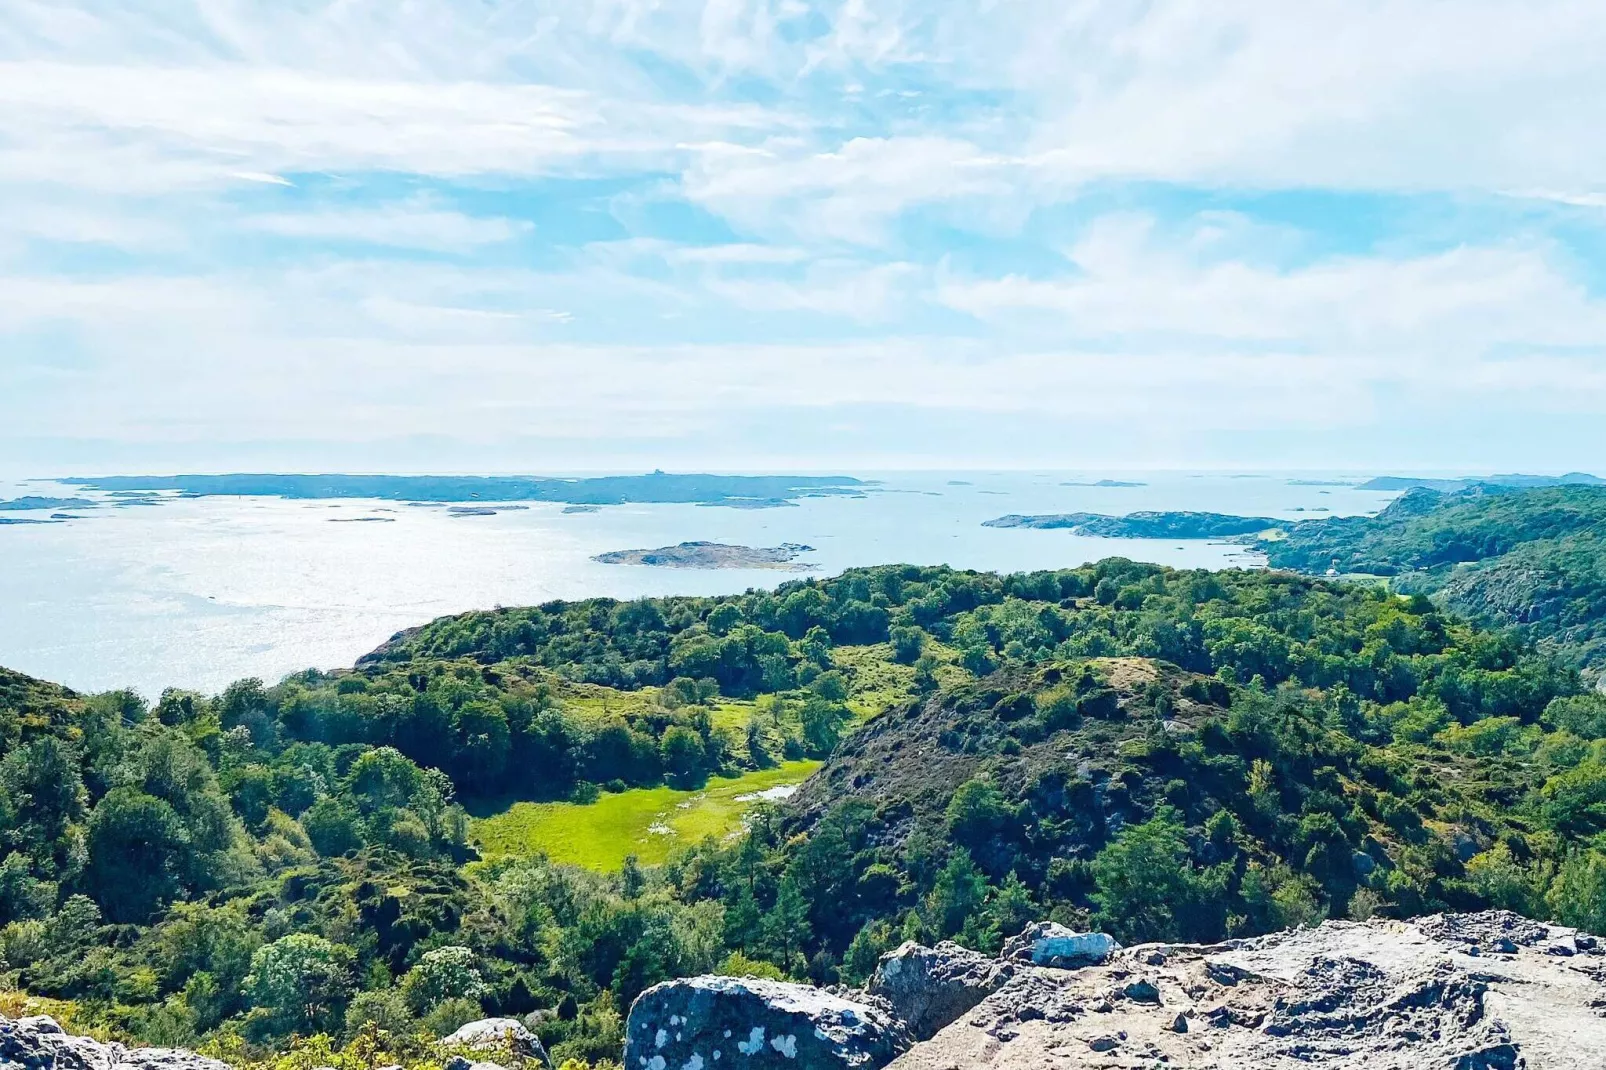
(196, 593)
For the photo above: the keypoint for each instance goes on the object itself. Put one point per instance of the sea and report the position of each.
(198, 592)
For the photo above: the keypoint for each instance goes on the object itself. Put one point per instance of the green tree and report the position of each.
(822, 722)
(683, 755)
(958, 893)
(137, 848)
(303, 981)
(1578, 895)
(786, 928)
(1148, 888)
(44, 789)
(444, 973)
(977, 812)
(333, 826)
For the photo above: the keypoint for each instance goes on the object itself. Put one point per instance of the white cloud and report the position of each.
(841, 288)
(845, 195)
(1451, 305)
(414, 225)
(736, 253)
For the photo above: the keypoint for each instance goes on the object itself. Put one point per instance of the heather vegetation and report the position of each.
(1162, 753)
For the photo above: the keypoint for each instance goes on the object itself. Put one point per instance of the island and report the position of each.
(1105, 483)
(751, 503)
(1509, 479)
(567, 509)
(713, 555)
(482, 510)
(1147, 524)
(30, 503)
(741, 492)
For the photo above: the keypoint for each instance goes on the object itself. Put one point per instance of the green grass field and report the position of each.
(645, 822)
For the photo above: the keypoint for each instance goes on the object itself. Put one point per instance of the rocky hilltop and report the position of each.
(1487, 991)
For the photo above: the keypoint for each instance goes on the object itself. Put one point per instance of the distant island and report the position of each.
(713, 555)
(482, 510)
(1142, 525)
(750, 503)
(582, 509)
(1510, 479)
(742, 492)
(31, 503)
(1105, 483)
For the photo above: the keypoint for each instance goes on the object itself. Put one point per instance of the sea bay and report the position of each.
(197, 592)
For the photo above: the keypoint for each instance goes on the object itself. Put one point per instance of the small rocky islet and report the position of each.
(713, 555)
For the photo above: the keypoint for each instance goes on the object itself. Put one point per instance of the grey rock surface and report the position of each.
(506, 1035)
(929, 988)
(1047, 943)
(1487, 991)
(702, 1023)
(39, 1043)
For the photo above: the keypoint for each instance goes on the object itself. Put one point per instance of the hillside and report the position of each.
(1169, 754)
(1533, 559)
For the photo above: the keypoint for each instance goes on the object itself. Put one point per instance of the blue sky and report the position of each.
(738, 234)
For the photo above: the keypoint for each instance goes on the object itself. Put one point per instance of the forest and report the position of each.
(1533, 559)
(1164, 754)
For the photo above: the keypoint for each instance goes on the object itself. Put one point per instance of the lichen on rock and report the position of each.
(701, 1023)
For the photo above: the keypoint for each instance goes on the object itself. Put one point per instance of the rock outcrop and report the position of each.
(506, 1036)
(1489, 991)
(39, 1043)
(702, 1023)
(929, 988)
(1047, 943)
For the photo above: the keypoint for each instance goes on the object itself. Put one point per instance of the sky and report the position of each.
(499, 235)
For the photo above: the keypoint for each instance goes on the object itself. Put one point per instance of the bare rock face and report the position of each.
(704, 1023)
(505, 1035)
(929, 988)
(39, 1043)
(1488, 991)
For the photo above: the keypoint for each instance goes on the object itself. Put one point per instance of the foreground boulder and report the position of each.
(1048, 943)
(39, 1043)
(928, 988)
(508, 1036)
(706, 1022)
(1488, 991)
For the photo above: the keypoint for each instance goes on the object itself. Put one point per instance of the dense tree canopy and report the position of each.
(1169, 754)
